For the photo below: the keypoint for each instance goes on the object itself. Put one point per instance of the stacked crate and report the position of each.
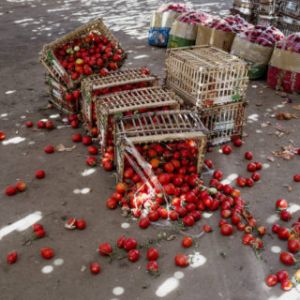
(289, 16)
(266, 12)
(63, 85)
(129, 104)
(245, 8)
(214, 82)
(95, 88)
(142, 130)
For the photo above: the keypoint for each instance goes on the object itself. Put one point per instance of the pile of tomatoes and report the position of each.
(90, 54)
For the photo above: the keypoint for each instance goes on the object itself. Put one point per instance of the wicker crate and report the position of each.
(117, 105)
(223, 122)
(51, 63)
(158, 127)
(206, 76)
(95, 86)
(287, 28)
(290, 8)
(57, 93)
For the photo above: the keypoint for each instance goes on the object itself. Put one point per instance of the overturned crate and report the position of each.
(206, 76)
(158, 127)
(129, 103)
(95, 86)
(65, 100)
(60, 71)
(224, 122)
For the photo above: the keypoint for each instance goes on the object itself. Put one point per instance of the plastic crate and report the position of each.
(223, 122)
(117, 105)
(206, 76)
(95, 86)
(159, 127)
(57, 93)
(52, 64)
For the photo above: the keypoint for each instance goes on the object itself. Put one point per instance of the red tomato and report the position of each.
(226, 229)
(11, 257)
(182, 260)
(287, 258)
(95, 268)
(47, 253)
(152, 254)
(187, 242)
(271, 280)
(105, 249)
(133, 255)
(130, 244)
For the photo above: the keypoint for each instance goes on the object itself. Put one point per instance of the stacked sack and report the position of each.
(256, 45)
(184, 30)
(284, 69)
(220, 33)
(162, 21)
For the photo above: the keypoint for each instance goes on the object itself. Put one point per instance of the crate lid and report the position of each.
(156, 125)
(204, 57)
(117, 78)
(136, 99)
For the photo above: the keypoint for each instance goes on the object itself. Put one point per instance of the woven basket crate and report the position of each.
(206, 76)
(51, 63)
(94, 83)
(57, 93)
(223, 122)
(288, 29)
(168, 126)
(115, 105)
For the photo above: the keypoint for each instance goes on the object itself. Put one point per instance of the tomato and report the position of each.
(261, 230)
(251, 167)
(247, 239)
(121, 241)
(237, 142)
(152, 267)
(226, 229)
(285, 215)
(248, 155)
(153, 216)
(296, 178)
(187, 242)
(258, 165)
(226, 149)
(287, 258)
(235, 219)
(283, 233)
(121, 187)
(130, 244)
(81, 224)
(86, 140)
(271, 280)
(152, 254)
(218, 174)
(95, 268)
(111, 203)
(164, 178)
(208, 163)
(133, 255)
(275, 228)
(93, 150)
(47, 253)
(282, 275)
(163, 213)
(188, 220)
(12, 257)
(241, 181)
(105, 249)
(294, 245)
(281, 204)
(286, 285)
(128, 173)
(207, 228)
(144, 223)
(173, 215)
(181, 260)
(255, 176)
(39, 233)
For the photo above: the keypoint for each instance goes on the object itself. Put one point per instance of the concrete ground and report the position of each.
(225, 269)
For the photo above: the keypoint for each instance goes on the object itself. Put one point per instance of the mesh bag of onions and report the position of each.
(220, 33)
(162, 21)
(284, 67)
(256, 45)
(184, 30)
